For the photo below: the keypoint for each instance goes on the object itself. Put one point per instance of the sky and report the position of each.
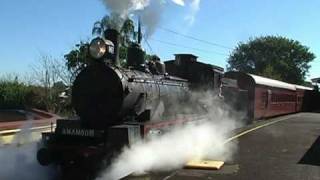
(29, 29)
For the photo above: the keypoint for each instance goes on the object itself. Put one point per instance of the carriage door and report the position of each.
(269, 99)
(266, 99)
(298, 101)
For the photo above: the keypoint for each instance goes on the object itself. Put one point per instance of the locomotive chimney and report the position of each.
(114, 36)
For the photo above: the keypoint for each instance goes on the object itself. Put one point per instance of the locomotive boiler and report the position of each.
(116, 106)
(105, 95)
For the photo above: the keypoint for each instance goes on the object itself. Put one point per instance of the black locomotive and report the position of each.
(105, 95)
(116, 106)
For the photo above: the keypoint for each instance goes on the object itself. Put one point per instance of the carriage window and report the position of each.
(283, 98)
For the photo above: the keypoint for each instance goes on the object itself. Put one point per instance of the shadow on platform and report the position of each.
(312, 156)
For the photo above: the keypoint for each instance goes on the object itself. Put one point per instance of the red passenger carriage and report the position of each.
(267, 97)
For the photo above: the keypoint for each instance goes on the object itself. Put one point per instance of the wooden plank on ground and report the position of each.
(204, 164)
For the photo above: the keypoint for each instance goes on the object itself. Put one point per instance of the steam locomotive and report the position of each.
(116, 106)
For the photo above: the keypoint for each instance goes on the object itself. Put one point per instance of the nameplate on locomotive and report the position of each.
(78, 132)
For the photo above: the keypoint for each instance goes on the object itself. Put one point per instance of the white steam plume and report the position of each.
(19, 162)
(18, 159)
(194, 8)
(179, 2)
(205, 139)
(151, 17)
(125, 7)
(149, 11)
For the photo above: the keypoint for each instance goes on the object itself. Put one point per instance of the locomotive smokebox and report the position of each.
(97, 96)
(114, 36)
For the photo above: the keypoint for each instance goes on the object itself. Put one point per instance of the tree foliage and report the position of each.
(274, 57)
(14, 94)
(79, 57)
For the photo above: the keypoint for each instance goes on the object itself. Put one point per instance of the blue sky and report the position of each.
(34, 27)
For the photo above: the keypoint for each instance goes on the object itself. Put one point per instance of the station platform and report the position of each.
(286, 147)
(14, 119)
(24, 126)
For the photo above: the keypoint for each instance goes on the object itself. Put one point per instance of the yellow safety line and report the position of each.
(7, 136)
(253, 129)
(8, 139)
(13, 131)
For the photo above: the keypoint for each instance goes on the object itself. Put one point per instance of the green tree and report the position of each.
(79, 57)
(275, 57)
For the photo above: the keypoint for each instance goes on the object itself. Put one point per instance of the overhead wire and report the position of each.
(188, 47)
(149, 46)
(194, 38)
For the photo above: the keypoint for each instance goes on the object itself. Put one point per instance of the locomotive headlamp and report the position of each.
(97, 48)
(100, 47)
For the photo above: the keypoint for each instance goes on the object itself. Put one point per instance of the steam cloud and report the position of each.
(179, 2)
(204, 139)
(150, 11)
(195, 7)
(19, 162)
(18, 159)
